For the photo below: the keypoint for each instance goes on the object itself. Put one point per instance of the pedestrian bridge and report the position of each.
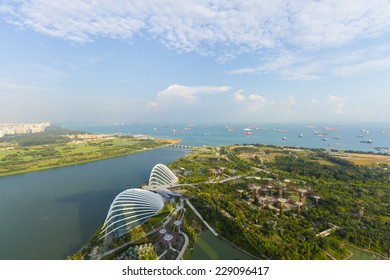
(181, 146)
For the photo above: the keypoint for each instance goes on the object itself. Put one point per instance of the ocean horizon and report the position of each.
(354, 136)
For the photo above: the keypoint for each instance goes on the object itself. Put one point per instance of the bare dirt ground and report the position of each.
(366, 159)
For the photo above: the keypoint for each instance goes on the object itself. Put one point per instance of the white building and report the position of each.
(22, 128)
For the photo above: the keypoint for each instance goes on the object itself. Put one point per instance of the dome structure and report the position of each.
(129, 209)
(162, 175)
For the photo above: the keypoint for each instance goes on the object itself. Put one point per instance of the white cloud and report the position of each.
(257, 98)
(363, 67)
(7, 9)
(333, 22)
(179, 95)
(314, 65)
(273, 64)
(289, 65)
(196, 25)
(292, 34)
(338, 103)
(238, 96)
(314, 101)
(252, 102)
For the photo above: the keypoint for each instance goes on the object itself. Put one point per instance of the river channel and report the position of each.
(50, 214)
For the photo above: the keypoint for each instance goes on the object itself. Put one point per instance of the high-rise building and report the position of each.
(22, 128)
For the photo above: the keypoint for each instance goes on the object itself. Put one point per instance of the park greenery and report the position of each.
(139, 252)
(58, 147)
(144, 242)
(353, 198)
(342, 205)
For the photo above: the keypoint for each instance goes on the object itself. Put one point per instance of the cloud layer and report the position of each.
(298, 40)
(300, 65)
(237, 26)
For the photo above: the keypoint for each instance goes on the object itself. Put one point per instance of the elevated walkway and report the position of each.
(201, 218)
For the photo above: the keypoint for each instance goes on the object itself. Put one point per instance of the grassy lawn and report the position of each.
(26, 159)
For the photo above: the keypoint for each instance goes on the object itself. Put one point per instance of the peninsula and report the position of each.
(57, 147)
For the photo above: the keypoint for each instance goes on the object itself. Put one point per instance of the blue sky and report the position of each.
(204, 60)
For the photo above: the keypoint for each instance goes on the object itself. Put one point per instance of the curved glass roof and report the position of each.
(129, 209)
(162, 175)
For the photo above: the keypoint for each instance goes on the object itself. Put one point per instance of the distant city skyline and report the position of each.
(22, 128)
(204, 61)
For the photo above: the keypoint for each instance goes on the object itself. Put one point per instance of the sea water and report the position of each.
(364, 137)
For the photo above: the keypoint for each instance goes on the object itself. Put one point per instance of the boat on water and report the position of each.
(300, 135)
(382, 149)
(369, 141)
(247, 129)
(319, 133)
(284, 138)
(324, 139)
(248, 132)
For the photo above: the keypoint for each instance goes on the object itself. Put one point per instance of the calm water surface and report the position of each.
(361, 254)
(50, 214)
(209, 247)
(339, 136)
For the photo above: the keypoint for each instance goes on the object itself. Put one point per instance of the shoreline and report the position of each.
(76, 161)
(364, 158)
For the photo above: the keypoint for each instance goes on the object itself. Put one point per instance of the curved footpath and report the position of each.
(183, 249)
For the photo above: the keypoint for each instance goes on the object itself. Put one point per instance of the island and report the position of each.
(57, 147)
(267, 202)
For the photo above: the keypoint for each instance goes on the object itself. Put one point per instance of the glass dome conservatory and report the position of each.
(162, 175)
(129, 209)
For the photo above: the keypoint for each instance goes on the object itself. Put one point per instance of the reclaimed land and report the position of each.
(271, 202)
(60, 147)
(249, 194)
